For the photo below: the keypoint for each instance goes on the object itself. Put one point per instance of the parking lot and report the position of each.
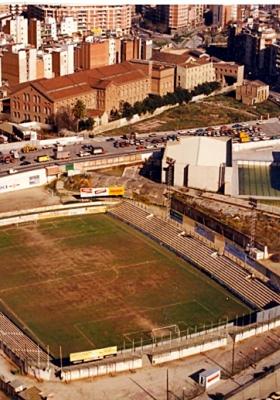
(15, 157)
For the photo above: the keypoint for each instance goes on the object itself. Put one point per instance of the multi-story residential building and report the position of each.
(108, 18)
(34, 33)
(63, 60)
(178, 16)
(252, 92)
(49, 29)
(4, 9)
(91, 55)
(17, 28)
(101, 89)
(272, 61)
(248, 47)
(175, 17)
(223, 14)
(68, 26)
(17, 8)
(19, 65)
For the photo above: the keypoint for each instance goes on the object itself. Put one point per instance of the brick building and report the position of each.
(228, 73)
(101, 89)
(252, 92)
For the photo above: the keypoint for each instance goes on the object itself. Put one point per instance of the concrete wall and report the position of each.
(257, 330)
(23, 180)
(182, 352)
(99, 369)
(52, 212)
(204, 178)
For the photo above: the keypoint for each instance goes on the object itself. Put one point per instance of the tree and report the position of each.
(79, 110)
(63, 119)
(90, 123)
(127, 110)
(139, 108)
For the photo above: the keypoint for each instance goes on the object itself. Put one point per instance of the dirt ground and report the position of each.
(29, 198)
(74, 282)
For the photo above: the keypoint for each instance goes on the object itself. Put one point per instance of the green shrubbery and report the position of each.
(180, 95)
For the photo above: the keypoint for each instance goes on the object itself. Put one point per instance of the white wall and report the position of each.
(23, 180)
(204, 178)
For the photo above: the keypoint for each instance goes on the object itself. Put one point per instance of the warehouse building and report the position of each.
(199, 162)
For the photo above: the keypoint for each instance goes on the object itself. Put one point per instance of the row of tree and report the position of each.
(152, 102)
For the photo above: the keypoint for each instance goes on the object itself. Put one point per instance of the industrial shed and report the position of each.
(199, 162)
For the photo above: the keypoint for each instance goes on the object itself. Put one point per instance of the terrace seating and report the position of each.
(20, 344)
(221, 268)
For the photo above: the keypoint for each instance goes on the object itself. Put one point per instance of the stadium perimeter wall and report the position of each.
(41, 213)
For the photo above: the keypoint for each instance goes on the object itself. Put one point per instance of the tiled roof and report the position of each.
(84, 81)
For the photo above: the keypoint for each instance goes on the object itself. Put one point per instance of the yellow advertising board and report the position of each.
(116, 191)
(92, 355)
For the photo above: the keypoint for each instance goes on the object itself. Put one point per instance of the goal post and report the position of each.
(166, 332)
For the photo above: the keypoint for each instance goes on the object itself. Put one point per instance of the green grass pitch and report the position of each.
(89, 282)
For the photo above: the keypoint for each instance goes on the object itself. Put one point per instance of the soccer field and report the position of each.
(89, 282)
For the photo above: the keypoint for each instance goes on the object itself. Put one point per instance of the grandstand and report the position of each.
(235, 278)
(12, 338)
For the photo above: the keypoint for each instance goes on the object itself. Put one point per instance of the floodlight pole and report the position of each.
(169, 181)
(167, 385)
(253, 204)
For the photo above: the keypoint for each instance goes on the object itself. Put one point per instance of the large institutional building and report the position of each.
(101, 89)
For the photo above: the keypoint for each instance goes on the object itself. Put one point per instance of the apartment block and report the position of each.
(14, 67)
(34, 33)
(92, 55)
(108, 18)
(223, 14)
(18, 29)
(63, 60)
(68, 26)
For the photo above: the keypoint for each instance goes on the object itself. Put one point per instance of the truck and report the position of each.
(62, 155)
(28, 148)
(43, 158)
(244, 137)
(97, 150)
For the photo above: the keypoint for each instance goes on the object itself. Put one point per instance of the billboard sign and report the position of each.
(116, 191)
(92, 355)
(100, 192)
